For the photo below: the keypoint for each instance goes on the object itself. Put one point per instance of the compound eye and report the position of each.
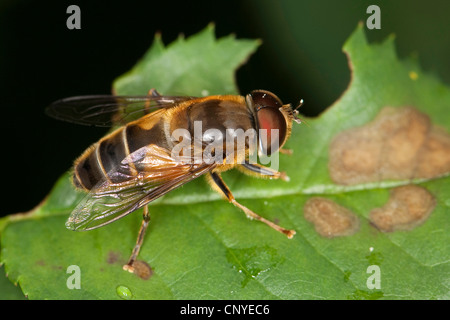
(271, 122)
(265, 99)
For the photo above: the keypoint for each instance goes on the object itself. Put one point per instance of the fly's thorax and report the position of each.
(213, 129)
(221, 113)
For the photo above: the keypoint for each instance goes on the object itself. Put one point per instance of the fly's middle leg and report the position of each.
(219, 185)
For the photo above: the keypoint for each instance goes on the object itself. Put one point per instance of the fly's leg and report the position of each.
(146, 219)
(218, 184)
(289, 152)
(152, 93)
(254, 169)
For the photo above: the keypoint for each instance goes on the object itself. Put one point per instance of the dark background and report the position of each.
(301, 57)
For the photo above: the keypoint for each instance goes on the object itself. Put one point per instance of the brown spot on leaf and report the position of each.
(400, 143)
(329, 218)
(408, 207)
(113, 257)
(41, 263)
(435, 156)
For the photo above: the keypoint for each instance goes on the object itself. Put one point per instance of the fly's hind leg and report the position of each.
(140, 239)
(218, 184)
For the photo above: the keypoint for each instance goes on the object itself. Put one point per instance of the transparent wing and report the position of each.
(158, 174)
(107, 110)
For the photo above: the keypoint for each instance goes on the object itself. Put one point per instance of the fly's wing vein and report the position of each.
(158, 174)
(108, 110)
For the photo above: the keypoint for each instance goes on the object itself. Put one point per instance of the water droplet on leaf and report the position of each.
(124, 292)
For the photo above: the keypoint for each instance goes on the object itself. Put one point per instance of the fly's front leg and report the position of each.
(262, 172)
(289, 152)
(219, 185)
(140, 239)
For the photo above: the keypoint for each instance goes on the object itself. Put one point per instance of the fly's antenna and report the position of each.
(296, 113)
(300, 103)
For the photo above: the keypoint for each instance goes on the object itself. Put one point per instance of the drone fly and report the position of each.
(136, 163)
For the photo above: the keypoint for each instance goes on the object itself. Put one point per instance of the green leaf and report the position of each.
(8, 290)
(198, 66)
(201, 247)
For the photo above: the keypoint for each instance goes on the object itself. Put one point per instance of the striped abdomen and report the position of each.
(102, 160)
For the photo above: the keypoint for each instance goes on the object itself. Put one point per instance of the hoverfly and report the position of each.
(135, 164)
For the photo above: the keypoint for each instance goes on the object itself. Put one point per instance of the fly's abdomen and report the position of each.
(112, 158)
(102, 161)
(87, 172)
